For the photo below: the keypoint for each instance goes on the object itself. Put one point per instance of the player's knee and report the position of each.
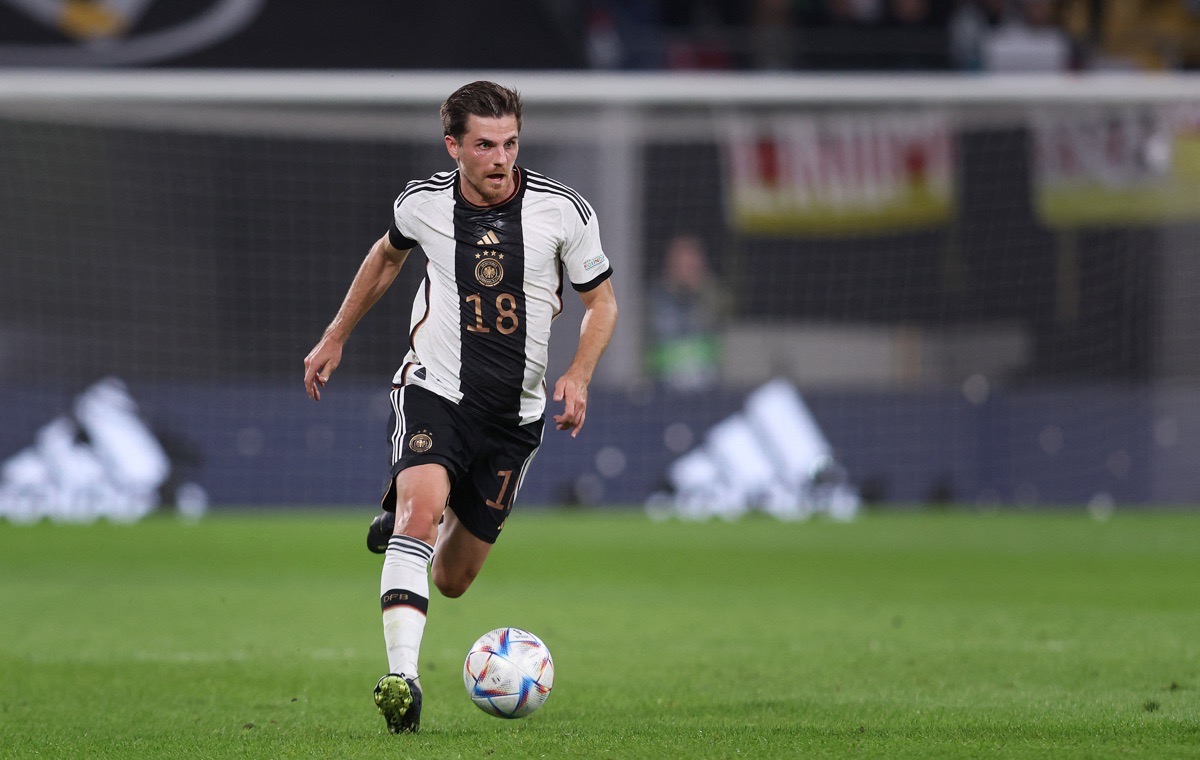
(417, 520)
(452, 584)
(420, 498)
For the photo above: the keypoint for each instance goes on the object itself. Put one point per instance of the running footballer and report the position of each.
(470, 396)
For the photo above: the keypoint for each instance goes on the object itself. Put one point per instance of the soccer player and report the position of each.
(469, 399)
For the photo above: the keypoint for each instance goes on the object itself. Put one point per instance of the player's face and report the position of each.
(486, 157)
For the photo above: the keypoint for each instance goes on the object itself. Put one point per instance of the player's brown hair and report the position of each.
(480, 98)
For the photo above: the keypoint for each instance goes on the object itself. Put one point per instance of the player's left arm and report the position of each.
(595, 331)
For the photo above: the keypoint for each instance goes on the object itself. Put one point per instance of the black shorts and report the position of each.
(485, 458)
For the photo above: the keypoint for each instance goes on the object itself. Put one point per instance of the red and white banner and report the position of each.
(844, 173)
(1139, 164)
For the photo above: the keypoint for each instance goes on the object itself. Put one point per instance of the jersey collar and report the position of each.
(517, 195)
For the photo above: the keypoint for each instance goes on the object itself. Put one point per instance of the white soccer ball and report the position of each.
(508, 673)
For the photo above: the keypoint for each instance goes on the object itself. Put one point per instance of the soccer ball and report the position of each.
(508, 673)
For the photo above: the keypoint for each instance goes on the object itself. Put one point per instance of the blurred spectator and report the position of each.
(917, 34)
(910, 13)
(703, 34)
(687, 307)
(970, 23)
(882, 35)
(1029, 40)
(855, 12)
(1136, 34)
(624, 34)
(774, 36)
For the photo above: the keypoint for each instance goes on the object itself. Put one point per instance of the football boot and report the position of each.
(380, 532)
(399, 701)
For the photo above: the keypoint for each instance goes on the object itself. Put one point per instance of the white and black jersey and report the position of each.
(493, 283)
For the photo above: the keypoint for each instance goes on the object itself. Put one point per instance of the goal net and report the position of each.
(973, 290)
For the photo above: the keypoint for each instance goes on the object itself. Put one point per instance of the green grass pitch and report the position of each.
(910, 635)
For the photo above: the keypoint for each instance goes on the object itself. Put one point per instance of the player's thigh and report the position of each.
(428, 454)
(483, 498)
(480, 503)
(459, 556)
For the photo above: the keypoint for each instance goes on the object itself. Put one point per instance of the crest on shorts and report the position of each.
(420, 442)
(489, 271)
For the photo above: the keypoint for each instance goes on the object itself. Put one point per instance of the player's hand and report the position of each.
(573, 391)
(319, 365)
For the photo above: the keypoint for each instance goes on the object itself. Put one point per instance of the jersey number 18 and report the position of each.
(506, 314)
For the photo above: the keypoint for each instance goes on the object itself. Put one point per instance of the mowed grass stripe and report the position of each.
(899, 635)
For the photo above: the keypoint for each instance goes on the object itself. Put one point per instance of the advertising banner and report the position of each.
(1106, 167)
(839, 174)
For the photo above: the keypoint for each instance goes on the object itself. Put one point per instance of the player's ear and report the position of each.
(452, 147)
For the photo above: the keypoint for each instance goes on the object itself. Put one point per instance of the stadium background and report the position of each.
(1008, 348)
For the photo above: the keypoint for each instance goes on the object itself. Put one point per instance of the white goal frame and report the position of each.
(615, 108)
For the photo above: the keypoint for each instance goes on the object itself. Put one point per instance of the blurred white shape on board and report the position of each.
(771, 457)
(103, 461)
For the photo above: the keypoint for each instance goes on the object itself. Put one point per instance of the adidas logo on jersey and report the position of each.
(489, 239)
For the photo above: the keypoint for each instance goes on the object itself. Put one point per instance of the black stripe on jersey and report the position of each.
(559, 290)
(544, 184)
(491, 298)
(442, 181)
(554, 183)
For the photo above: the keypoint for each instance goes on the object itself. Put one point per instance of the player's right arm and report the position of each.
(376, 274)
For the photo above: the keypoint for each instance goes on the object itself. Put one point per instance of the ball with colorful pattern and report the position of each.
(508, 673)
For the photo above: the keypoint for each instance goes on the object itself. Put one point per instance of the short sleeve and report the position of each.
(583, 256)
(398, 232)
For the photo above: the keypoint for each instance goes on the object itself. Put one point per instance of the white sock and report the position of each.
(404, 599)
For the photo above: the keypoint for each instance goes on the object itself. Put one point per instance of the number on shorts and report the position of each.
(498, 502)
